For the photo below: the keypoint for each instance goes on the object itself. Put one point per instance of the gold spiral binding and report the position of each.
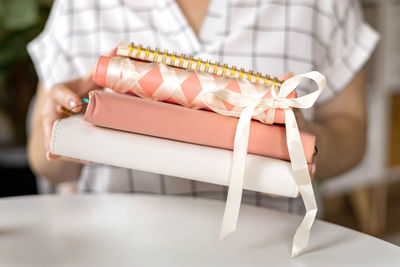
(131, 45)
(155, 55)
(147, 53)
(267, 79)
(181, 60)
(258, 77)
(224, 67)
(216, 68)
(241, 73)
(198, 65)
(138, 51)
(209, 66)
(190, 62)
(233, 71)
(164, 56)
(250, 76)
(173, 57)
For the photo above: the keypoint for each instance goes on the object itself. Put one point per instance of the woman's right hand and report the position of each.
(48, 108)
(65, 96)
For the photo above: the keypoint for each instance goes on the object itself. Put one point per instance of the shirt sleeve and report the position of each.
(351, 42)
(49, 50)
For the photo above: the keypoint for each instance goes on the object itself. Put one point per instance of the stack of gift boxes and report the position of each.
(127, 112)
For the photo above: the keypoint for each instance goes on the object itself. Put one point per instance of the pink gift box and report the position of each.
(187, 92)
(161, 119)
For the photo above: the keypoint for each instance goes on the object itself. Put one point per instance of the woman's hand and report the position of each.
(48, 108)
(340, 128)
(65, 96)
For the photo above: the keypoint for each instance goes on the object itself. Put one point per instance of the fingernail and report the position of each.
(85, 162)
(72, 103)
(48, 156)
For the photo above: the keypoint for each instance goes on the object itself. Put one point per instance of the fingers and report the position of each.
(49, 115)
(64, 97)
(54, 157)
(84, 85)
(312, 168)
(50, 156)
(302, 124)
(287, 76)
(297, 113)
(112, 52)
(86, 162)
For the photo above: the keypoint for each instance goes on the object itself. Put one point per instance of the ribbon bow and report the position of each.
(252, 103)
(123, 75)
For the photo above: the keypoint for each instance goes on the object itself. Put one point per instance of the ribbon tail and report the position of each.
(303, 182)
(234, 197)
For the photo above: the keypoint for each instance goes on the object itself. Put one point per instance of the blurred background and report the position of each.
(366, 198)
(20, 22)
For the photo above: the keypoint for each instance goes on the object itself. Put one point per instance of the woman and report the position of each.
(273, 37)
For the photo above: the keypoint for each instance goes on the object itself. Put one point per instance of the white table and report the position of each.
(153, 230)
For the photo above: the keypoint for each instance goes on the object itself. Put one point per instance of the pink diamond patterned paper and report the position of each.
(163, 83)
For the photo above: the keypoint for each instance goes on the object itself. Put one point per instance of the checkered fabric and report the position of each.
(267, 36)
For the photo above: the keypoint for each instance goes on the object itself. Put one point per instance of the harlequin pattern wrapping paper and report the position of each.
(175, 85)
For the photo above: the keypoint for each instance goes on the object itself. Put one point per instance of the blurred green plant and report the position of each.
(20, 22)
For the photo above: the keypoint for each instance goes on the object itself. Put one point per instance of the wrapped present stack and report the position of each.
(180, 116)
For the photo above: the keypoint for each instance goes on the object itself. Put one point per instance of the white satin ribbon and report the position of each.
(124, 76)
(252, 105)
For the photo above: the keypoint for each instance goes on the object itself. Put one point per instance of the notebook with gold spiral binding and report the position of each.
(182, 61)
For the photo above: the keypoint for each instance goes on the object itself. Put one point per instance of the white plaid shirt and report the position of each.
(270, 36)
